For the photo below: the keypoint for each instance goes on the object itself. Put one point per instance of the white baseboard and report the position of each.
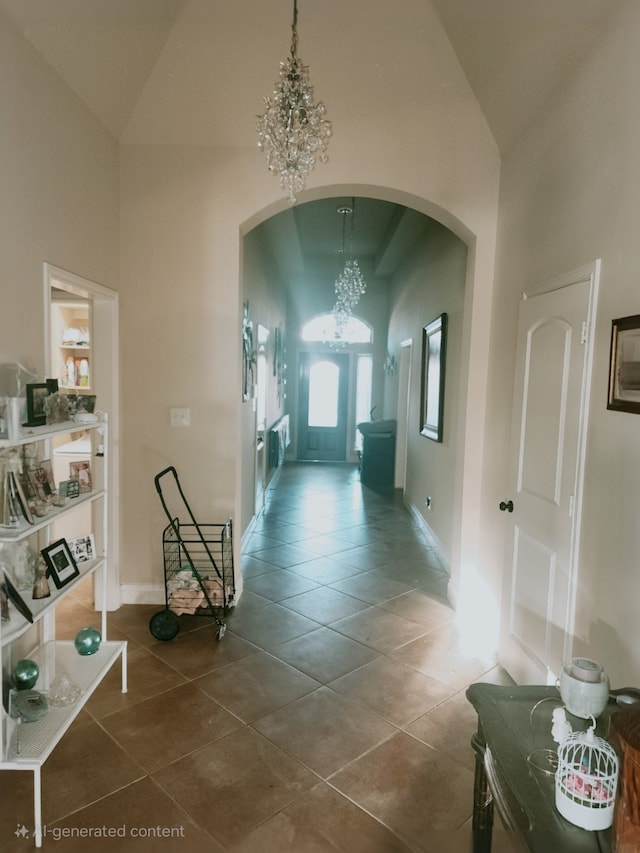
(441, 552)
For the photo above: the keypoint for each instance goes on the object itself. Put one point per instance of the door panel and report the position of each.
(548, 357)
(547, 430)
(322, 407)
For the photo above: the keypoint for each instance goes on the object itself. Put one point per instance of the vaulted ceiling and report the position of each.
(193, 72)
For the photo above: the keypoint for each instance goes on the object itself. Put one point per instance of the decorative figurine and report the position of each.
(41, 585)
(561, 728)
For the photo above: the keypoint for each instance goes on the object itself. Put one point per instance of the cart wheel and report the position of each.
(221, 631)
(164, 625)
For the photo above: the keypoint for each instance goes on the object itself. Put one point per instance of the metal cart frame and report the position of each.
(198, 563)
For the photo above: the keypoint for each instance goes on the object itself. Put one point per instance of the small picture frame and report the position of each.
(15, 598)
(57, 408)
(69, 489)
(27, 486)
(61, 564)
(41, 479)
(83, 548)
(80, 403)
(16, 487)
(81, 472)
(624, 365)
(37, 392)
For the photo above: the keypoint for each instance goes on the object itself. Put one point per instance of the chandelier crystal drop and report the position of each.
(293, 132)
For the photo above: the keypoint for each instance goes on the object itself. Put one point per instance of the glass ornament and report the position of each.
(25, 674)
(87, 641)
(63, 692)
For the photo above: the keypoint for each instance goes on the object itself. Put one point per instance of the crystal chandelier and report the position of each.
(350, 284)
(293, 132)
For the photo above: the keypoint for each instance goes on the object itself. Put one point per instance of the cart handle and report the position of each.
(171, 470)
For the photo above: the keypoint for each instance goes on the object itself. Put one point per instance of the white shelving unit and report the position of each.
(27, 745)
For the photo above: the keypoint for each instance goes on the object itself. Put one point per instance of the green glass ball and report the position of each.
(25, 674)
(87, 641)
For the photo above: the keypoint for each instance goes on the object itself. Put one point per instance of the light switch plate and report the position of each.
(180, 417)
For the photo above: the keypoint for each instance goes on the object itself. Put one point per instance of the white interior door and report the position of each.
(551, 392)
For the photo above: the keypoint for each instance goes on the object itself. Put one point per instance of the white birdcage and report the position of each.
(586, 780)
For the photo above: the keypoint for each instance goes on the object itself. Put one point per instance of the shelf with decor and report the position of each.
(71, 342)
(32, 743)
(52, 537)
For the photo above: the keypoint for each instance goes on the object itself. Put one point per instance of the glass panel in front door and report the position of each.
(324, 382)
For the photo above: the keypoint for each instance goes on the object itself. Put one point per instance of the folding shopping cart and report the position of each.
(198, 563)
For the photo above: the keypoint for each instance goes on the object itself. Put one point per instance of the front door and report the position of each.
(543, 509)
(322, 407)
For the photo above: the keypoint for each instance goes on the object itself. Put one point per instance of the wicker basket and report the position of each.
(626, 833)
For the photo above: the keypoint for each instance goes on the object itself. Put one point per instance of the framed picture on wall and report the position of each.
(624, 365)
(434, 345)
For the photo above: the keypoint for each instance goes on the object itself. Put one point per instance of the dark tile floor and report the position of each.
(330, 717)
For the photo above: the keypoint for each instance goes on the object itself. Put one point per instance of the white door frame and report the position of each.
(592, 273)
(104, 303)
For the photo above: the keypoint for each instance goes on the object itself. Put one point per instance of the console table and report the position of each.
(512, 745)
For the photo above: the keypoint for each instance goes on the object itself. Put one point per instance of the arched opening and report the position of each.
(423, 264)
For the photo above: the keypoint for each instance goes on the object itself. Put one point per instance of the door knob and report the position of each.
(508, 506)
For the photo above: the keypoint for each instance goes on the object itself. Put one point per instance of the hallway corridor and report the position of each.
(331, 717)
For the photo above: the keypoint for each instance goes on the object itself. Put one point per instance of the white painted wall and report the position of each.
(432, 283)
(58, 197)
(263, 289)
(571, 194)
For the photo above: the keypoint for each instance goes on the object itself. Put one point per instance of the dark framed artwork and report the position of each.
(61, 564)
(434, 347)
(16, 599)
(624, 365)
(37, 392)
